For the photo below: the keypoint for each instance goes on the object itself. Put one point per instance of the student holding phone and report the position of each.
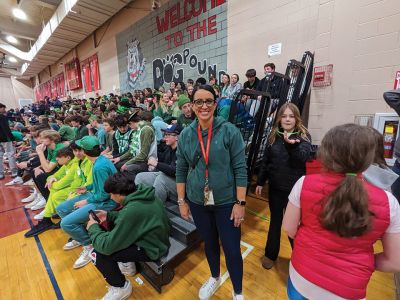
(138, 232)
(284, 162)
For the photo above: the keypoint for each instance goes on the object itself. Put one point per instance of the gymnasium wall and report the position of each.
(360, 38)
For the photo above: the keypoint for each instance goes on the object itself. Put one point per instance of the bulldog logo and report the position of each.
(136, 63)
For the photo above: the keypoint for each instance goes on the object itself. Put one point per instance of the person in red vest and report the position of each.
(336, 217)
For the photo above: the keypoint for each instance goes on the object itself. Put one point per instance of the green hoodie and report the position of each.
(142, 221)
(227, 163)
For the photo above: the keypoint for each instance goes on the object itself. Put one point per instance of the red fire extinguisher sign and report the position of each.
(397, 81)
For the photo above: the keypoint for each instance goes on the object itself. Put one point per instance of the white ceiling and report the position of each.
(52, 29)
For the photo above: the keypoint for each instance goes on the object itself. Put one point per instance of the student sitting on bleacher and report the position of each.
(140, 232)
(74, 212)
(163, 176)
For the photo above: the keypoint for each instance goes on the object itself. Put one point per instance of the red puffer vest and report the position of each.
(342, 266)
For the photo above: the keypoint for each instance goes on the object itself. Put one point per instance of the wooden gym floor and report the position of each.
(38, 268)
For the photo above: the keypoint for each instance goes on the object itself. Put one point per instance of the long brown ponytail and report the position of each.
(347, 149)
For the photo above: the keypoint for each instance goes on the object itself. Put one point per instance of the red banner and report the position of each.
(73, 73)
(55, 87)
(90, 71)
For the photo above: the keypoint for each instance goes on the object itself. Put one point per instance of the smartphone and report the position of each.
(94, 216)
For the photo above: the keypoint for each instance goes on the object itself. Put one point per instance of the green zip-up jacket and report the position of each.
(226, 167)
(65, 176)
(142, 221)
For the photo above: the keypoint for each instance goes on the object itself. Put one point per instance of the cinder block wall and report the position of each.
(361, 38)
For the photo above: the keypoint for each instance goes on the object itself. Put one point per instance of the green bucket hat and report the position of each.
(182, 100)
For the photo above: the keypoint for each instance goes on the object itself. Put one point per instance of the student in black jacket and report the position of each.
(284, 162)
(6, 144)
(162, 178)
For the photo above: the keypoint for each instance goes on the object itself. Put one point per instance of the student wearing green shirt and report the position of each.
(74, 212)
(187, 116)
(19, 137)
(141, 232)
(50, 141)
(66, 132)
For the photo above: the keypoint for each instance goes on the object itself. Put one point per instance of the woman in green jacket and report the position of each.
(140, 232)
(211, 171)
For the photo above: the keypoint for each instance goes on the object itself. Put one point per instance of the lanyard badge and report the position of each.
(208, 194)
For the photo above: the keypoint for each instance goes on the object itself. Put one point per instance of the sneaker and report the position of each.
(34, 202)
(237, 296)
(40, 204)
(208, 289)
(30, 198)
(267, 263)
(116, 293)
(127, 268)
(29, 182)
(71, 244)
(15, 181)
(42, 226)
(39, 216)
(84, 258)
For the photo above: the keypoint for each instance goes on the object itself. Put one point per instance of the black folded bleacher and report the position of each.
(184, 237)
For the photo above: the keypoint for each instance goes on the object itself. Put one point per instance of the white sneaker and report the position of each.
(116, 293)
(208, 289)
(29, 182)
(39, 216)
(72, 244)
(84, 258)
(128, 268)
(15, 181)
(237, 297)
(34, 202)
(40, 204)
(30, 198)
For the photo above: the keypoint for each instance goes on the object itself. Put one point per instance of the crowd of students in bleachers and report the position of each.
(106, 165)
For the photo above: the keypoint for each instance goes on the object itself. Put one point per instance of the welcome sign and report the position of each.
(183, 39)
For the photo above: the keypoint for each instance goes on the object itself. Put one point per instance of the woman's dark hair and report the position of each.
(183, 86)
(120, 183)
(347, 149)
(379, 158)
(206, 87)
(95, 152)
(65, 152)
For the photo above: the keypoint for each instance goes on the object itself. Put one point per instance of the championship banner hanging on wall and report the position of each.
(90, 71)
(73, 73)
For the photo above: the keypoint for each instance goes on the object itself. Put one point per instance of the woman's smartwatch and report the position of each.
(240, 202)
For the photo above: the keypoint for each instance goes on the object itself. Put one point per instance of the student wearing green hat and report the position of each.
(74, 212)
(187, 116)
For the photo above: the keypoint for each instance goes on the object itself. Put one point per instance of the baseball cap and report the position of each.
(88, 142)
(172, 129)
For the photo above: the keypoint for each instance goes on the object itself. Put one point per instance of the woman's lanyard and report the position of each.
(205, 151)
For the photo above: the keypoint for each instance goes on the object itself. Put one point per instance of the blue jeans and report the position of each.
(214, 224)
(396, 184)
(293, 294)
(73, 221)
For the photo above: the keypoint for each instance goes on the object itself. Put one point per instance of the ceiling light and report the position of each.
(11, 39)
(12, 59)
(19, 13)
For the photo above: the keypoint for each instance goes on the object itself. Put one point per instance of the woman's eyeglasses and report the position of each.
(200, 102)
